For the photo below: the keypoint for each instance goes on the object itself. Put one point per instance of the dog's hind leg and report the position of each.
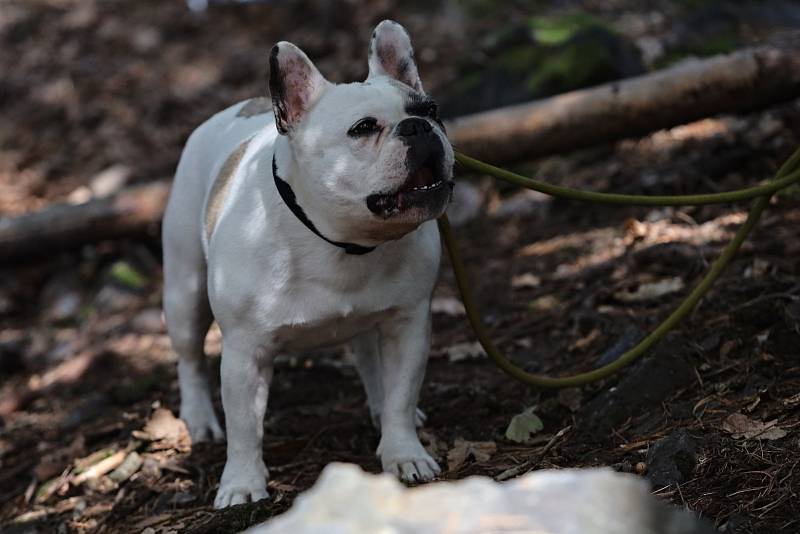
(365, 352)
(188, 316)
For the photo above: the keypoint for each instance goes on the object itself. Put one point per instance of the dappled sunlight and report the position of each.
(702, 130)
(608, 244)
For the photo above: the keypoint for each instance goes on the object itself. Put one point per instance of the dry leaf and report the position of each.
(651, 290)
(464, 351)
(448, 306)
(166, 429)
(584, 342)
(742, 427)
(525, 281)
(436, 447)
(544, 304)
(635, 230)
(286, 488)
(792, 401)
(463, 449)
(523, 426)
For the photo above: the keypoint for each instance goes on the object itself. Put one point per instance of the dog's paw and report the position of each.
(419, 419)
(240, 485)
(202, 423)
(232, 495)
(408, 461)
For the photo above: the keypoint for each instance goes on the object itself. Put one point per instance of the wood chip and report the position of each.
(100, 468)
(128, 467)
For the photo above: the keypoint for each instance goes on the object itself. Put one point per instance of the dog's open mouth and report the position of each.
(425, 188)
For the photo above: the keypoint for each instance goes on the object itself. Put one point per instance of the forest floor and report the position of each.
(712, 416)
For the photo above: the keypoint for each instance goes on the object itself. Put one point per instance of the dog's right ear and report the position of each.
(295, 85)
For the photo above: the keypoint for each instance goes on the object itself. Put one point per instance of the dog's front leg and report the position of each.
(246, 375)
(405, 343)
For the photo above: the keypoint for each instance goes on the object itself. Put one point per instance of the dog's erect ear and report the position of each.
(294, 83)
(391, 54)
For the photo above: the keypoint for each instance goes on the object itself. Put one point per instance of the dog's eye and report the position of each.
(364, 127)
(433, 111)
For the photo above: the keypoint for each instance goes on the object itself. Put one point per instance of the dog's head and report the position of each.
(370, 159)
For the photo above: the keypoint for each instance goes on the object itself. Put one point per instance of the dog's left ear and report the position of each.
(391, 54)
(295, 85)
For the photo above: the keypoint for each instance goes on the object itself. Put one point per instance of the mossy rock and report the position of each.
(542, 57)
(591, 56)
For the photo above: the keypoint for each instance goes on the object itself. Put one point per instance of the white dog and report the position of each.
(309, 227)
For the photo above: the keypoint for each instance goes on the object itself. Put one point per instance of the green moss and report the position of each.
(558, 30)
(721, 42)
(569, 67)
(520, 59)
(126, 275)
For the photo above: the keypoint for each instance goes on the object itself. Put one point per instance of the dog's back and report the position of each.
(201, 171)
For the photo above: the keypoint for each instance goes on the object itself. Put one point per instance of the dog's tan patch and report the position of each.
(221, 187)
(255, 106)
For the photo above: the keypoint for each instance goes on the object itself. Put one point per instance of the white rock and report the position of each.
(110, 181)
(346, 500)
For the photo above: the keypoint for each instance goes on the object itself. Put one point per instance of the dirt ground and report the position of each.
(711, 417)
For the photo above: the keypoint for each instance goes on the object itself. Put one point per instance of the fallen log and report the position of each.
(742, 81)
(133, 211)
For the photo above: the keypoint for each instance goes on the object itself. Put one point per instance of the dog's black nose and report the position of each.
(413, 126)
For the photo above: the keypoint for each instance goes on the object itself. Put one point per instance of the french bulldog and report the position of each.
(303, 222)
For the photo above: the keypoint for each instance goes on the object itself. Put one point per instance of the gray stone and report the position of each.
(672, 460)
(639, 393)
(345, 500)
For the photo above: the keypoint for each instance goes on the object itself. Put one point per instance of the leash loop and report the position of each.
(788, 174)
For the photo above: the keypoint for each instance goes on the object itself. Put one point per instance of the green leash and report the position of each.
(786, 176)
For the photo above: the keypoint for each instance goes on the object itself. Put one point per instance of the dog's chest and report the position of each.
(332, 326)
(326, 307)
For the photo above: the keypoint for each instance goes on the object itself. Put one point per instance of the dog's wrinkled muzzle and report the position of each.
(428, 186)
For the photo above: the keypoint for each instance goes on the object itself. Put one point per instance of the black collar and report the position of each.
(290, 199)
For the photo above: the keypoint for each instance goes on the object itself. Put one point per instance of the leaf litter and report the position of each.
(742, 427)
